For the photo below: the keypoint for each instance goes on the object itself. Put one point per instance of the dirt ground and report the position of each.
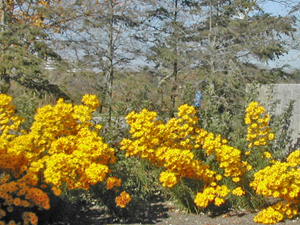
(164, 214)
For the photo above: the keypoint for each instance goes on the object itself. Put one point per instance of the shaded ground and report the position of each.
(162, 213)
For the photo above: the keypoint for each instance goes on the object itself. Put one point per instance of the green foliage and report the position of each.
(183, 194)
(139, 179)
(281, 125)
(25, 50)
(26, 107)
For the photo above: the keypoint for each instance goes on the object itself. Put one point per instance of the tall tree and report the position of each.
(236, 36)
(168, 33)
(23, 46)
(224, 39)
(100, 36)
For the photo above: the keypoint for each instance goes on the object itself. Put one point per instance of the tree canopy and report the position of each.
(207, 45)
(25, 47)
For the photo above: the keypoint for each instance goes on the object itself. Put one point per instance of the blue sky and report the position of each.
(293, 57)
(278, 7)
(275, 8)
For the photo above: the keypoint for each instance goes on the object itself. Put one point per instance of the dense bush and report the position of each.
(64, 150)
(220, 171)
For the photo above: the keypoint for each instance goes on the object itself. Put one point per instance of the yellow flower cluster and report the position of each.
(258, 125)
(123, 199)
(91, 101)
(16, 190)
(11, 222)
(168, 179)
(268, 216)
(294, 159)
(238, 191)
(229, 158)
(276, 213)
(111, 182)
(280, 180)
(62, 147)
(30, 218)
(21, 193)
(76, 155)
(209, 194)
(169, 145)
(9, 124)
(8, 121)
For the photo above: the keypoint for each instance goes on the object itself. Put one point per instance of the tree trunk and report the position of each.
(110, 72)
(175, 63)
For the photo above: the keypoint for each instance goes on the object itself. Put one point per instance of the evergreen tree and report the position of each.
(235, 37)
(223, 40)
(99, 34)
(167, 34)
(24, 48)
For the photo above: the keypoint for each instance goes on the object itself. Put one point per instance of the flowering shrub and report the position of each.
(172, 146)
(16, 191)
(167, 145)
(62, 147)
(258, 130)
(281, 180)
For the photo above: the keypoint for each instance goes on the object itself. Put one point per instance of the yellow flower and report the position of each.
(267, 154)
(271, 136)
(10, 208)
(91, 100)
(248, 120)
(2, 213)
(247, 152)
(17, 201)
(238, 191)
(168, 179)
(236, 179)
(112, 181)
(219, 201)
(201, 200)
(98, 126)
(219, 177)
(11, 222)
(5, 179)
(123, 199)
(250, 145)
(213, 184)
(249, 167)
(56, 191)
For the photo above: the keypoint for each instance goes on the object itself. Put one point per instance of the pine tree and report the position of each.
(99, 33)
(24, 48)
(236, 36)
(222, 41)
(168, 33)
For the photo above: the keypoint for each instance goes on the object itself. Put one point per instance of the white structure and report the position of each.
(284, 93)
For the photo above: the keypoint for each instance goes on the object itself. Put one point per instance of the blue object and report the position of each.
(197, 99)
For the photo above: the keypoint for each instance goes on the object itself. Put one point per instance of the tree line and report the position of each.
(147, 53)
